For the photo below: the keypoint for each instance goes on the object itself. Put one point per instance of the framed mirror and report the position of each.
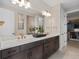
(29, 24)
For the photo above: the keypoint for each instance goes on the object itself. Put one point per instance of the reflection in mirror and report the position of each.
(30, 24)
(35, 24)
(18, 23)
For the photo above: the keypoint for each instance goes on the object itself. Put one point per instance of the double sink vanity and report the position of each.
(28, 42)
(29, 48)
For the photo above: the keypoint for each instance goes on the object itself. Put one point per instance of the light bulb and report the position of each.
(21, 3)
(28, 5)
(14, 1)
(48, 14)
(17, 1)
(44, 13)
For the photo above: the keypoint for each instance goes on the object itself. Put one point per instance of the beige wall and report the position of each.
(52, 24)
(8, 17)
(30, 23)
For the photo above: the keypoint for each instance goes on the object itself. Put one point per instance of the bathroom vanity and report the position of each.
(42, 48)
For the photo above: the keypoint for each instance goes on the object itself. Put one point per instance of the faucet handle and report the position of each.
(24, 36)
(18, 37)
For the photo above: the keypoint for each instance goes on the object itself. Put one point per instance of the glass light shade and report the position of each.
(1, 23)
(48, 14)
(45, 13)
(21, 3)
(28, 5)
(14, 1)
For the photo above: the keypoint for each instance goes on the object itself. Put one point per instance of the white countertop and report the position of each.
(8, 42)
(76, 30)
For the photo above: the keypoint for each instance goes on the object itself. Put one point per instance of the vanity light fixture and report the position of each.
(46, 13)
(1, 22)
(28, 4)
(22, 3)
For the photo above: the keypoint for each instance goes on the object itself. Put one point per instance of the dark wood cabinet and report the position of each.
(14, 53)
(21, 55)
(35, 50)
(48, 49)
(51, 45)
(10, 52)
(56, 44)
(0, 55)
(27, 51)
(51, 48)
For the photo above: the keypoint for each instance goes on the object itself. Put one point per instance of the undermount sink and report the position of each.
(39, 35)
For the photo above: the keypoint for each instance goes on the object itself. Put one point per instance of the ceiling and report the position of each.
(68, 5)
(51, 2)
(38, 5)
(73, 15)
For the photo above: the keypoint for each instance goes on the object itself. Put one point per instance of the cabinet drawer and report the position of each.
(30, 45)
(57, 37)
(48, 40)
(10, 52)
(0, 55)
(33, 52)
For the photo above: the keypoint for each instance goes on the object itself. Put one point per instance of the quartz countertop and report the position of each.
(76, 30)
(8, 42)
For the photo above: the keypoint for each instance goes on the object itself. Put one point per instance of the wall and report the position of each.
(57, 24)
(9, 25)
(30, 23)
(73, 15)
(56, 19)
(52, 23)
(63, 29)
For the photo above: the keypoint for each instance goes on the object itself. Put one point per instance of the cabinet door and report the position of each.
(37, 52)
(21, 55)
(48, 48)
(51, 47)
(46, 51)
(0, 54)
(56, 43)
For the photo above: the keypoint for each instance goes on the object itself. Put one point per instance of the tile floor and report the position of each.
(70, 52)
